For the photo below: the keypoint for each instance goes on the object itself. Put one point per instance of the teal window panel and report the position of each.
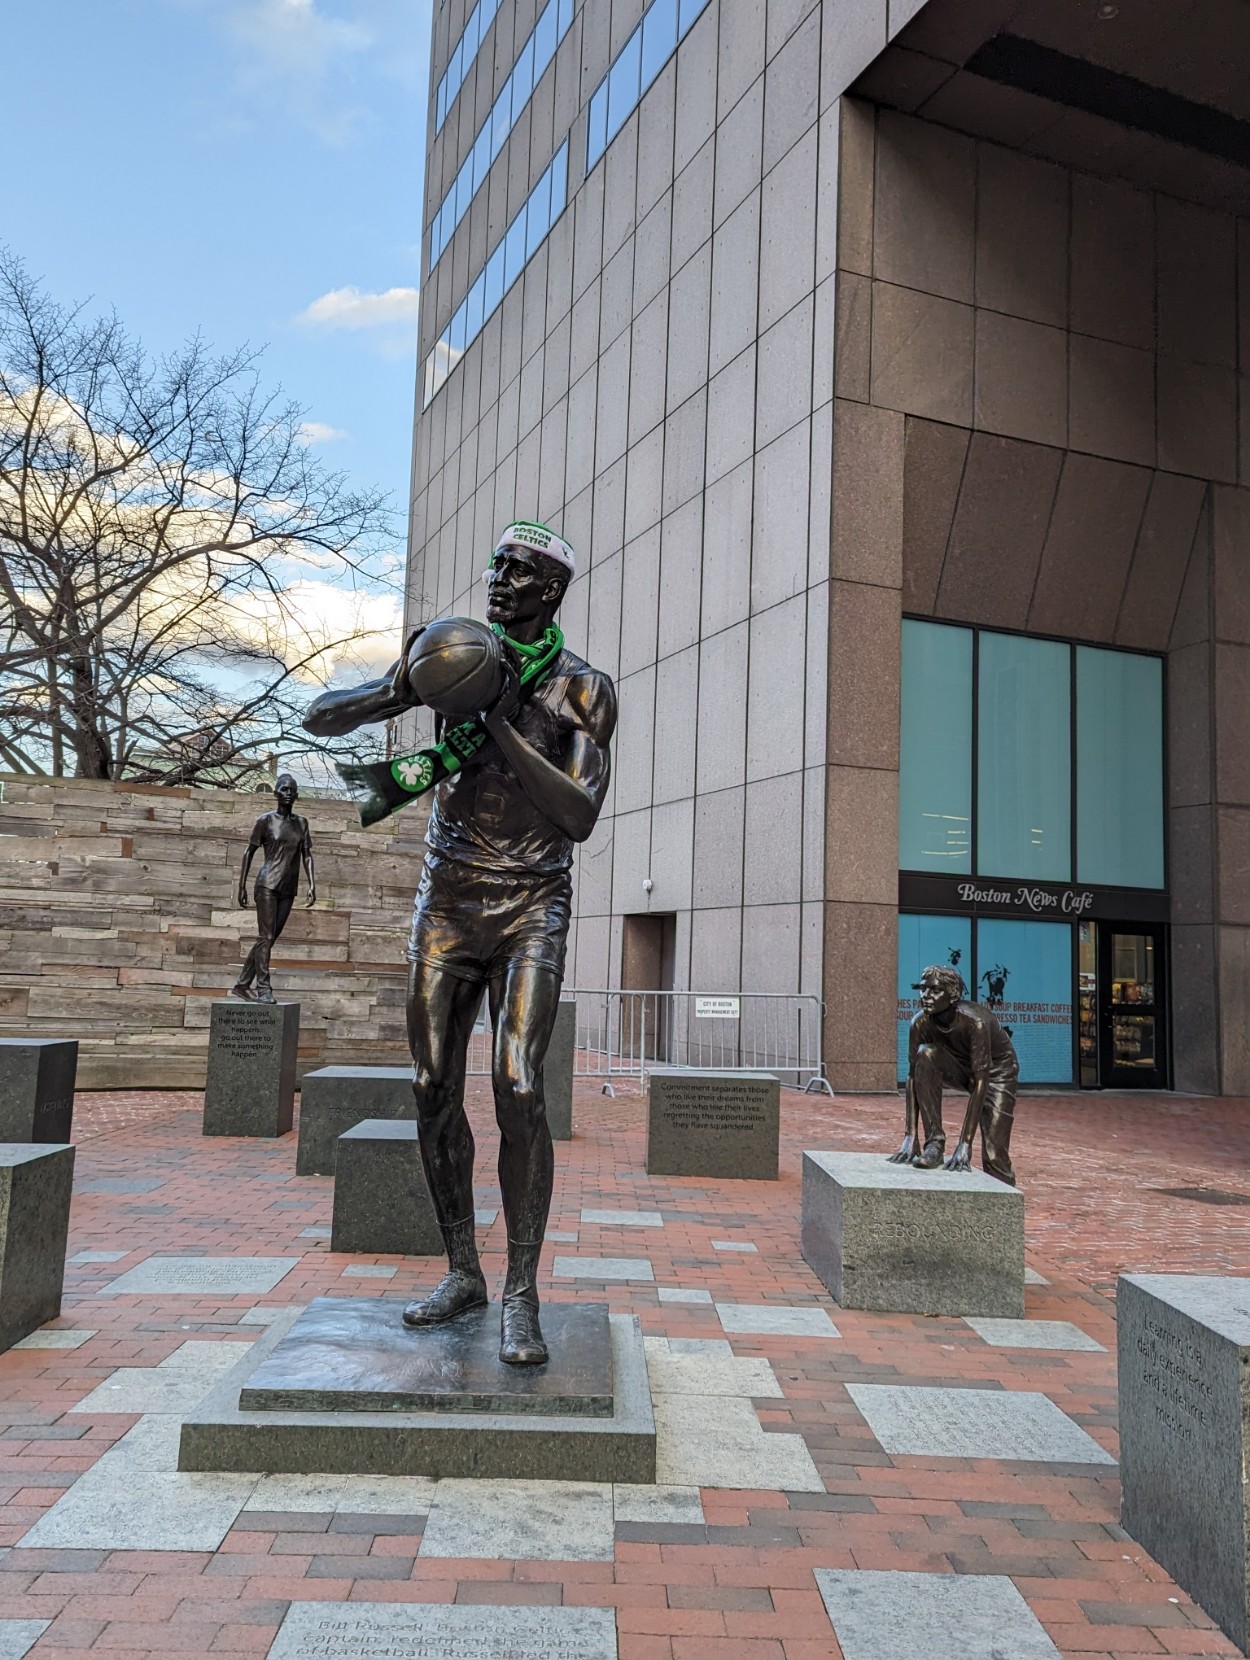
(1025, 974)
(1119, 768)
(1024, 758)
(923, 940)
(935, 760)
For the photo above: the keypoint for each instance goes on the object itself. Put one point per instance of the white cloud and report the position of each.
(295, 38)
(349, 308)
(317, 432)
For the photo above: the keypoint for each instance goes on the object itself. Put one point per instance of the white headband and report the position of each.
(539, 539)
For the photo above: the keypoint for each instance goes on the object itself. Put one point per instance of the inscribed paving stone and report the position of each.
(18, 1637)
(657, 1505)
(369, 1271)
(49, 1339)
(602, 1268)
(119, 1184)
(717, 1441)
(98, 1256)
(776, 1320)
(201, 1276)
(319, 1232)
(733, 1245)
(679, 1294)
(624, 1218)
(144, 1511)
(704, 1369)
(355, 1495)
(890, 1615)
(432, 1631)
(549, 1521)
(973, 1423)
(1033, 1334)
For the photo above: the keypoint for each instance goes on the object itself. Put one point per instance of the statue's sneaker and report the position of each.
(245, 993)
(934, 1153)
(521, 1337)
(454, 1294)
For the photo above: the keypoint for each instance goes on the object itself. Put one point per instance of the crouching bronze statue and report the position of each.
(960, 1045)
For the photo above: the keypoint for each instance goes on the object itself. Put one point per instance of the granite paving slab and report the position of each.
(485, 1216)
(974, 1423)
(151, 1445)
(662, 1506)
(892, 1615)
(260, 1315)
(623, 1218)
(368, 1271)
(775, 1320)
(734, 1245)
(1033, 1334)
(18, 1637)
(147, 1389)
(321, 1231)
(116, 1507)
(413, 1631)
(559, 1238)
(354, 1495)
(98, 1256)
(1032, 1277)
(50, 1338)
(718, 1441)
(682, 1294)
(550, 1521)
(602, 1268)
(119, 1184)
(201, 1276)
(703, 1368)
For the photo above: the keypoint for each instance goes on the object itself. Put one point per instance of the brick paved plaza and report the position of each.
(781, 1509)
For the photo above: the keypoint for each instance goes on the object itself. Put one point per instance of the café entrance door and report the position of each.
(1122, 995)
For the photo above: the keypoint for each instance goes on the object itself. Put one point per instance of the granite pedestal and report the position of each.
(558, 1071)
(35, 1187)
(250, 1088)
(905, 1241)
(344, 1389)
(37, 1088)
(335, 1098)
(1184, 1387)
(381, 1201)
(723, 1125)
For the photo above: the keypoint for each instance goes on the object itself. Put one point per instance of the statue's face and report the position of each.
(519, 588)
(286, 793)
(936, 998)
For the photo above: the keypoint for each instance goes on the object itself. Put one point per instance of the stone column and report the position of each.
(1230, 733)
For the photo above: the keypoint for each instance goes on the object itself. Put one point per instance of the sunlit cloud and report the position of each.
(349, 308)
(317, 432)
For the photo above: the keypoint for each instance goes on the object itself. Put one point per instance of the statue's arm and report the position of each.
(570, 795)
(904, 1154)
(254, 841)
(344, 709)
(310, 873)
(979, 1066)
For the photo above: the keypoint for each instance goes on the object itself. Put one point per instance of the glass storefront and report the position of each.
(1031, 835)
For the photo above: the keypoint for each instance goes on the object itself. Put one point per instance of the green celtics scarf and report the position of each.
(380, 788)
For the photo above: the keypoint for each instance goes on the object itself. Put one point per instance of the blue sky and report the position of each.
(248, 168)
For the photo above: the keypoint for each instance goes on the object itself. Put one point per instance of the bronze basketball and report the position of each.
(455, 667)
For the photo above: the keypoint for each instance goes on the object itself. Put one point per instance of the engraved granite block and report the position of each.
(35, 1187)
(37, 1088)
(335, 1098)
(250, 1089)
(431, 1631)
(905, 1241)
(1184, 1384)
(558, 1071)
(724, 1125)
(381, 1202)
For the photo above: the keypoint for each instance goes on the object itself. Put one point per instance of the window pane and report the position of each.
(923, 940)
(545, 39)
(538, 213)
(659, 37)
(500, 121)
(690, 9)
(455, 71)
(566, 16)
(1024, 783)
(623, 84)
(559, 182)
(514, 251)
(523, 78)
(1119, 768)
(935, 764)
(440, 114)
(473, 310)
(494, 282)
(455, 335)
(597, 127)
(1024, 973)
(464, 189)
(481, 158)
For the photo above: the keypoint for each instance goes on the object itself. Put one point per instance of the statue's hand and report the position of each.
(401, 692)
(961, 1158)
(311, 900)
(242, 899)
(508, 702)
(905, 1152)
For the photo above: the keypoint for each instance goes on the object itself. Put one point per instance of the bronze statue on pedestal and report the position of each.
(285, 840)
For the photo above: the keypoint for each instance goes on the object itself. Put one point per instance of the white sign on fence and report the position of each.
(717, 1008)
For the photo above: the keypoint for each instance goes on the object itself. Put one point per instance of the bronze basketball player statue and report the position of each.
(961, 1045)
(284, 839)
(517, 786)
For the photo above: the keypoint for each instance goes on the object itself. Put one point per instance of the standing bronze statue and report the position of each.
(517, 785)
(961, 1045)
(285, 840)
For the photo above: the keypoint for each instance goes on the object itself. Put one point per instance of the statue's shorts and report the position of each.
(476, 924)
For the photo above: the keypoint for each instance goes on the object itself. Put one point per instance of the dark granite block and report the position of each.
(35, 1188)
(354, 1354)
(37, 1088)
(887, 1236)
(558, 1071)
(381, 1202)
(1184, 1386)
(250, 1089)
(724, 1125)
(334, 1099)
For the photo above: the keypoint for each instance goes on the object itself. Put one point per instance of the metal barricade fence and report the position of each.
(621, 1035)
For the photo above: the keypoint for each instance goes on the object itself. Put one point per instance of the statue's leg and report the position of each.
(441, 1010)
(524, 1002)
(927, 1078)
(272, 910)
(997, 1119)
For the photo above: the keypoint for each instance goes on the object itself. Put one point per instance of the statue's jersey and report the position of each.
(281, 839)
(482, 818)
(974, 1039)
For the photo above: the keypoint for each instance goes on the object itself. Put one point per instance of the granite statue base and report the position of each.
(905, 1241)
(381, 1201)
(335, 1098)
(35, 1187)
(558, 1071)
(494, 1444)
(723, 1125)
(1184, 1387)
(37, 1088)
(250, 1088)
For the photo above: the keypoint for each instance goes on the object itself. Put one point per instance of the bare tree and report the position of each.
(162, 526)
